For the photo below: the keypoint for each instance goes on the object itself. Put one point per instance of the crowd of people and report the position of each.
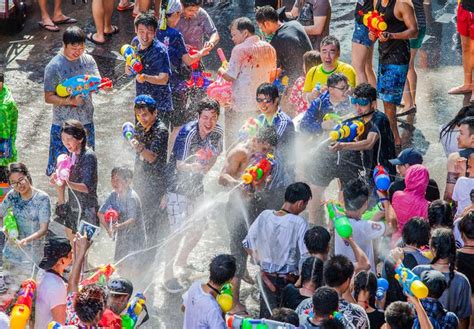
(321, 263)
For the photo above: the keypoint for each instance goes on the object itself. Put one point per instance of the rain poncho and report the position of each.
(8, 127)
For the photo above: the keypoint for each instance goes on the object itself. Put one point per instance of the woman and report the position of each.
(82, 203)
(449, 132)
(365, 288)
(440, 214)
(31, 209)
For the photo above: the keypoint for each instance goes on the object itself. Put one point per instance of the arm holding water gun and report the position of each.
(229, 70)
(313, 118)
(80, 247)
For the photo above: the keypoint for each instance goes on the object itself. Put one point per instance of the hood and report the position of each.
(416, 179)
(6, 96)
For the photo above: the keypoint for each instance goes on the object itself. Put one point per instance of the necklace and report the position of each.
(285, 211)
(213, 289)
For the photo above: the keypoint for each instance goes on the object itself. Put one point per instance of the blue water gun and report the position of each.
(134, 308)
(410, 282)
(382, 286)
(82, 85)
(347, 131)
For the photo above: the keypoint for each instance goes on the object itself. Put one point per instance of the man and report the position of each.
(251, 63)
(316, 240)
(70, 62)
(466, 144)
(394, 56)
(400, 315)
(276, 242)
(317, 77)
(51, 23)
(195, 151)
(409, 157)
(120, 291)
(52, 288)
(326, 300)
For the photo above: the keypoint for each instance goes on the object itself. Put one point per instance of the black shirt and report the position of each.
(376, 319)
(85, 171)
(432, 191)
(380, 125)
(291, 297)
(465, 265)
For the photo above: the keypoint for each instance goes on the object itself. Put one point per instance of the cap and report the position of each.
(145, 100)
(409, 156)
(435, 281)
(120, 286)
(282, 14)
(54, 249)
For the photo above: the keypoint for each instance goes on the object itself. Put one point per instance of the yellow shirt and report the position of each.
(317, 74)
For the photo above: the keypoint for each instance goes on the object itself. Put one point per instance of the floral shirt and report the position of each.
(296, 96)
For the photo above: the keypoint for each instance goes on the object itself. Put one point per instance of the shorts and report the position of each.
(180, 210)
(416, 43)
(465, 22)
(56, 146)
(361, 35)
(391, 81)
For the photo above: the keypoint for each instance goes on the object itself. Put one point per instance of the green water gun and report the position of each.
(370, 213)
(338, 216)
(10, 226)
(253, 324)
(224, 299)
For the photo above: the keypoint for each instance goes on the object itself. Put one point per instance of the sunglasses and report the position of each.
(341, 88)
(360, 101)
(264, 100)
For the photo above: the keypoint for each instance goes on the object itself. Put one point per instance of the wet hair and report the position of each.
(208, 104)
(366, 281)
(440, 213)
(268, 89)
(312, 271)
(242, 24)
(75, 129)
(443, 245)
(18, 167)
(2, 77)
(331, 324)
(365, 90)
(466, 111)
(466, 225)
(311, 58)
(399, 315)
(470, 122)
(123, 172)
(74, 35)
(330, 40)
(416, 232)
(298, 191)
(191, 3)
(222, 269)
(356, 194)
(89, 302)
(325, 301)
(267, 135)
(285, 315)
(335, 78)
(337, 270)
(317, 240)
(147, 19)
(266, 14)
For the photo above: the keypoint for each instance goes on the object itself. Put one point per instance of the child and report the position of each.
(311, 58)
(365, 287)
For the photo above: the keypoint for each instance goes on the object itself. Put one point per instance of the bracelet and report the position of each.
(383, 199)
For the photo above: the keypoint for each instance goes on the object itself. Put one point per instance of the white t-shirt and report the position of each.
(461, 193)
(201, 310)
(363, 232)
(51, 292)
(4, 321)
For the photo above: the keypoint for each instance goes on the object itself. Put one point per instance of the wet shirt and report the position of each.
(194, 30)
(29, 214)
(8, 127)
(174, 43)
(317, 75)
(84, 171)
(60, 69)
(438, 316)
(308, 9)
(380, 125)
(155, 60)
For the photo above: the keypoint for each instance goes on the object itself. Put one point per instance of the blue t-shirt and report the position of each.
(155, 60)
(174, 42)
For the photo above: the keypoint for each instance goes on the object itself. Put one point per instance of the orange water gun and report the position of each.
(101, 276)
(258, 171)
(21, 311)
(374, 22)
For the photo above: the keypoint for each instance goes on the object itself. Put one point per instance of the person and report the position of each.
(285, 315)
(82, 202)
(119, 292)
(70, 62)
(316, 240)
(365, 287)
(279, 256)
(154, 78)
(450, 131)
(251, 63)
(51, 23)
(330, 52)
(185, 186)
(394, 53)
(102, 14)
(399, 315)
(464, 184)
(466, 145)
(31, 208)
(50, 304)
(407, 158)
(327, 301)
(440, 214)
(200, 307)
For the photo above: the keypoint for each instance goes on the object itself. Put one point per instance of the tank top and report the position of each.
(393, 51)
(365, 6)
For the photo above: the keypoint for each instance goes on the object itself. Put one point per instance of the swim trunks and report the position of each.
(391, 81)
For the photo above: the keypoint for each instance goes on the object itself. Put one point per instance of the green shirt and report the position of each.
(8, 127)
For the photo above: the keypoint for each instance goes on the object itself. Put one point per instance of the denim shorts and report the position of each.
(361, 35)
(416, 43)
(391, 81)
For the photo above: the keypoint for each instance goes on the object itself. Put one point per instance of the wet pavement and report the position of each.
(23, 57)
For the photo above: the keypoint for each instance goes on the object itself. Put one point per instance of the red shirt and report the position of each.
(110, 320)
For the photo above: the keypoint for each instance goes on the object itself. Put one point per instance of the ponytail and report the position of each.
(444, 247)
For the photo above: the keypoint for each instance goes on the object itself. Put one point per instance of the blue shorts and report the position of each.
(361, 35)
(56, 146)
(391, 81)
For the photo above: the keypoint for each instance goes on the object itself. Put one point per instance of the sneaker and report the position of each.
(173, 286)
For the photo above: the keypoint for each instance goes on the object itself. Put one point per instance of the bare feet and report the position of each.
(238, 309)
(463, 89)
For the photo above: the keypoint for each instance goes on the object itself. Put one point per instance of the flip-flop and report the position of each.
(90, 37)
(68, 20)
(127, 7)
(408, 112)
(115, 30)
(49, 27)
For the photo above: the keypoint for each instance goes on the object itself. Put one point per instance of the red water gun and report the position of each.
(102, 275)
(111, 217)
(192, 51)
(199, 79)
(258, 171)
(21, 311)
(374, 22)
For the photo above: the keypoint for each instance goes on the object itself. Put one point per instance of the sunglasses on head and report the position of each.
(264, 100)
(360, 101)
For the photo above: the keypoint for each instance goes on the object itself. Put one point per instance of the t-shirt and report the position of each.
(376, 319)
(110, 320)
(201, 310)
(4, 321)
(380, 125)
(317, 75)
(29, 214)
(57, 71)
(155, 60)
(174, 43)
(432, 191)
(461, 193)
(85, 171)
(196, 29)
(363, 233)
(308, 9)
(291, 297)
(51, 292)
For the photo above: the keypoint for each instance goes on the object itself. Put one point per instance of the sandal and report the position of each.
(115, 30)
(49, 27)
(67, 20)
(407, 112)
(90, 37)
(127, 7)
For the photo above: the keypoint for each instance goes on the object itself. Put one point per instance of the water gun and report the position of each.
(381, 178)
(338, 216)
(192, 51)
(225, 298)
(249, 129)
(101, 276)
(281, 84)
(4, 189)
(332, 116)
(199, 79)
(220, 89)
(111, 216)
(239, 322)
(82, 85)
(221, 55)
(370, 213)
(128, 131)
(374, 21)
(134, 309)
(382, 286)
(21, 311)
(204, 155)
(57, 325)
(258, 171)
(132, 59)
(10, 226)
(64, 165)
(347, 131)
(410, 282)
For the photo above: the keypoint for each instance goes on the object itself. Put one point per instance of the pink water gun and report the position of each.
(63, 169)
(221, 90)
(111, 217)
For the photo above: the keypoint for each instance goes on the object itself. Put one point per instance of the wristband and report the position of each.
(383, 199)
